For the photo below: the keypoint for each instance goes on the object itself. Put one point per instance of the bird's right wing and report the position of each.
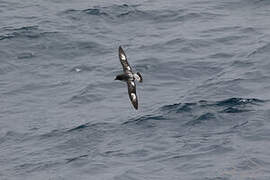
(123, 60)
(132, 93)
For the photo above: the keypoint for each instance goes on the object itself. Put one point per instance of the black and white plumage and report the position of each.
(129, 77)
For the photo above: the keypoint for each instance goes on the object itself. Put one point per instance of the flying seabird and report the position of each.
(129, 77)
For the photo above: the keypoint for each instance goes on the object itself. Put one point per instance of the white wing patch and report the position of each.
(132, 83)
(123, 57)
(128, 68)
(133, 96)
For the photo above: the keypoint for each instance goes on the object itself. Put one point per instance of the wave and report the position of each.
(260, 50)
(135, 13)
(198, 112)
(76, 158)
(145, 118)
(110, 12)
(86, 95)
(86, 126)
(31, 32)
(241, 103)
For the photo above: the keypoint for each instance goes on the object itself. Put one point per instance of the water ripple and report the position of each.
(31, 32)
(201, 111)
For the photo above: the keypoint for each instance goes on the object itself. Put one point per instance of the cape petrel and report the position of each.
(129, 77)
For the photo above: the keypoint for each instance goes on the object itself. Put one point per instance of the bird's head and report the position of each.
(122, 77)
(118, 77)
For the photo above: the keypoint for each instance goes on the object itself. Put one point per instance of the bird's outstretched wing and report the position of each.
(123, 60)
(132, 93)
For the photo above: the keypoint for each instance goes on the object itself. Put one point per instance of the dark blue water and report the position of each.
(204, 110)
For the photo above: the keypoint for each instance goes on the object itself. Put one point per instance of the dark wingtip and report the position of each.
(135, 104)
(121, 51)
(120, 48)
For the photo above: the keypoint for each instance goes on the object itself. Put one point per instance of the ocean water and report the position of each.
(204, 109)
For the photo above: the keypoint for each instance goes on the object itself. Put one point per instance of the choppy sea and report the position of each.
(204, 109)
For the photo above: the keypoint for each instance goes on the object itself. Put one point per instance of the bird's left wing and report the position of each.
(132, 93)
(123, 60)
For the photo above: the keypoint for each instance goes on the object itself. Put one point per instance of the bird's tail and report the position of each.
(140, 77)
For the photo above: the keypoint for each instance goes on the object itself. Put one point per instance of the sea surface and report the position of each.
(204, 105)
